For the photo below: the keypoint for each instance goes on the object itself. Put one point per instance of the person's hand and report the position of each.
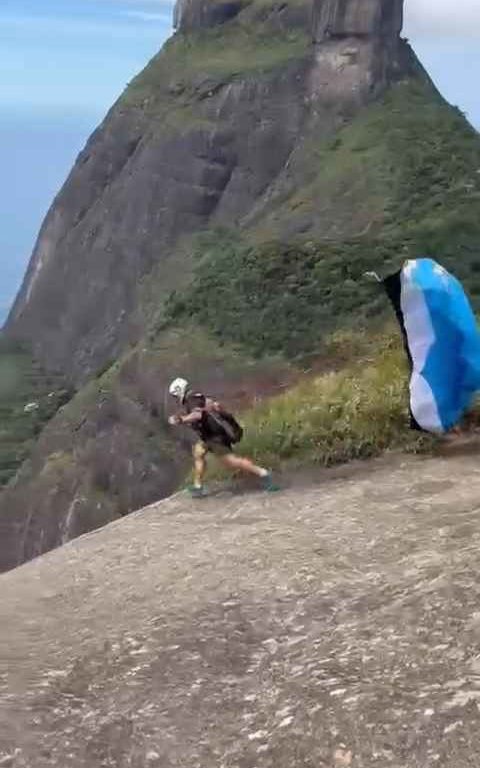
(174, 421)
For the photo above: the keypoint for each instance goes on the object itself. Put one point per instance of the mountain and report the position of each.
(218, 224)
(214, 132)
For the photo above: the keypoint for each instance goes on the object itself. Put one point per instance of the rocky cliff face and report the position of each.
(201, 138)
(281, 122)
(357, 18)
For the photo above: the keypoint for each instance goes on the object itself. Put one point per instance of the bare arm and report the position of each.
(195, 415)
(190, 418)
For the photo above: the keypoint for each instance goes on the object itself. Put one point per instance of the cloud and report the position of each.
(439, 19)
(149, 16)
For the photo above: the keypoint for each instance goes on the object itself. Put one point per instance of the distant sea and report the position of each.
(37, 151)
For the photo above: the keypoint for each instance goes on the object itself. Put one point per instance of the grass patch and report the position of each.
(407, 161)
(192, 66)
(355, 413)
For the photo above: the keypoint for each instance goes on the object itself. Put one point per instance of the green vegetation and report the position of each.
(191, 67)
(405, 167)
(409, 166)
(354, 413)
(400, 180)
(28, 399)
(280, 298)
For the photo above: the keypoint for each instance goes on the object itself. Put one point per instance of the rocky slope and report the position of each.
(227, 208)
(333, 625)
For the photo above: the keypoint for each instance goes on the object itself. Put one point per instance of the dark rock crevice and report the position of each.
(357, 18)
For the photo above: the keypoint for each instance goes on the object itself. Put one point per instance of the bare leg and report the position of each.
(243, 464)
(199, 464)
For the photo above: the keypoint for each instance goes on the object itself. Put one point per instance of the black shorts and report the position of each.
(217, 447)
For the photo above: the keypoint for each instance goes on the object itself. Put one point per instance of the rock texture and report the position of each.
(359, 47)
(144, 182)
(357, 18)
(192, 14)
(332, 626)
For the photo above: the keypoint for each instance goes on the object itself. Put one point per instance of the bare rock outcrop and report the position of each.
(331, 626)
(357, 18)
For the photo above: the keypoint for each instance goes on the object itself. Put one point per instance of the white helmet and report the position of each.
(178, 388)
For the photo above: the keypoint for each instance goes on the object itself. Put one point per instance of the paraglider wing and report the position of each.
(442, 342)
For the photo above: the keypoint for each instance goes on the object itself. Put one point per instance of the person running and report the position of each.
(217, 431)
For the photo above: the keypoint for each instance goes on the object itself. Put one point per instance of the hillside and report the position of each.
(331, 625)
(403, 177)
(218, 225)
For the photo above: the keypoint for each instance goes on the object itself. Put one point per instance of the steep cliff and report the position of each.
(225, 210)
(203, 137)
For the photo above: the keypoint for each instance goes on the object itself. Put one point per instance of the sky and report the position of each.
(64, 62)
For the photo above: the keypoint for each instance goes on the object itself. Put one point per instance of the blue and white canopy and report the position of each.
(442, 342)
